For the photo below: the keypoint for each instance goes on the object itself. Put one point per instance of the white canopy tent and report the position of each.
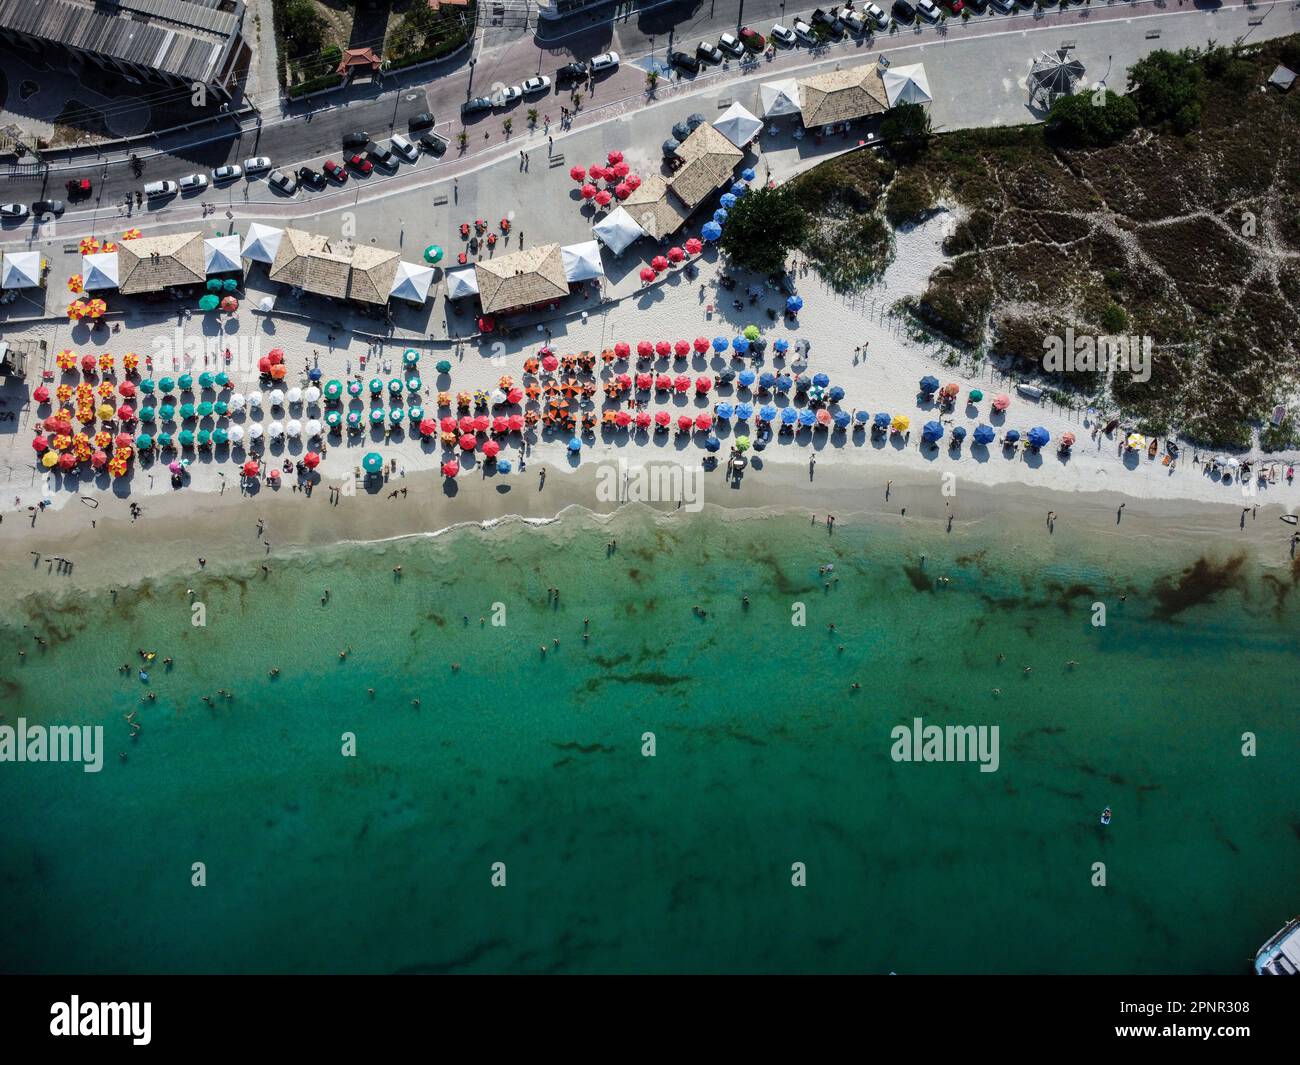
(221, 255)
(618, 230)
(907, 85)
(262, 243)
(461, 283)
(22, 269)
(99, 271)
(411, 282)
(780, 97)
(738, 125)
(582, 261)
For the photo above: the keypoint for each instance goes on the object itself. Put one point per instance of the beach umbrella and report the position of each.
(49, 460)
(703, 421)
(720, 215)
(751, 333)
(213, 284)
(984, 434)
(588, 192)
(235, 434)
(373, 462)
(166, 385)
(794, 304)
(1011, 436)
(622, 190)
(842, 419)
(275, 430)
(167, 411)
(929, 385)
(740, 344)
(276, 397)
(882, 420)
(185, 382)
(148, 385)
(333, 418)
(311, 460)
(450, 468)
(293, 429)
(711, 231)
(862, 417)
(747, 378)
(468, 441)
(251, 468)
(784, 382)
(682, 348)
(603, 197)
(1001, 401)
(223, 378)
(395, 415)
(443, 366)
(294, 395)
(744, 412)
(719, 344)
(1067, 441)
(147, 414)
(206, 380)
(958, 433)
(144, 441)
(976, 395)
(503, 466)
(205, 409)
(728, 201)
(932, 431)
(767, 413)
(186, 438)
(377, 386)
(647, 274)
(742, 443)
(685, 422)
(1135, 441)
(187, 411)
(67, 461)
(739, 188)
(712, 443)
(724, 411)
(789, 416)
(901, 423)
(415, 413)
(701, 345)
(219, 435)
(1038, 436)
(163, 440)
(395, 386)
(210, 302)
(433, 254)
(835, 394)
(221, 408)
(694, 246)
(354, 419)
(808, 418)
(577, 173)
(255, 431)
(574, 445)
(428, 427)
(675, 254)
(491, 449)
(377, 416)
(311, 395)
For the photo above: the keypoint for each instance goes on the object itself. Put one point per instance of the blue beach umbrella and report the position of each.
(724, 411)
(932, 431)
(747, 378)
(728, 200)
(739, 188)
(503, 466)
(784, 382)
(881, 420)
(789, 416)
(766, 379)
(712, 443)
(958, 433)
(929, 385)
(821, 379)
(862, 416)
(748, 173)
(842, 419)
(807, 418)
(314, 374)
(1012, 435)
(835, 394)
(781, 346)
(768, 413)
(794, 304)
(740, 344)
(711, 231)
(984, 434)
(575, 445)
(719, 344)
(744, 412)
(1038, 436)
(720, 215)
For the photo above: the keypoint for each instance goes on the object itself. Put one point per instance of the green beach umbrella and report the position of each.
(220, 436)
(167, 411)
(223, 379)
(143, 441)
(432, 254)
(395, 415)
(148, 385)
(395, 386)
(230, 284)
(214, 284)
(164, 439)
(166, 385)
(209, 302)
(187, 411)
(333, 389)
(742, 443)
(221, 407)
(334, 418)
(205, 438)
(377, 416)
(185, 382)
(206, 380)
(444, 366)
(376, 386)
(185, 437)
(147, 414)
(373, 462)
(976, 395)
(415, 413)
(410, 356)
(205, 409)
(751, 333)
(413, 384)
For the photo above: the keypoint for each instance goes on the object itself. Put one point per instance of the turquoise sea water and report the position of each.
(615, 861)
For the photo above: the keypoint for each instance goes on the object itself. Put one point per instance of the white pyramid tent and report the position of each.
(738, 125)
(411, 282)
(262, 243)
(22, 269)
(617, 230)
(907, 85)
(221, 255)
(461, 283)
(99, 271)
(582, 261)
(780, 97)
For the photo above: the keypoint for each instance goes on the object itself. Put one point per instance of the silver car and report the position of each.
(228, 173)
(193, 183)
(257, 164)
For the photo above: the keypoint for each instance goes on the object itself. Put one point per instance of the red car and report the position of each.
(361, 164)
(335, 171)
(955, 6)
(752, 39)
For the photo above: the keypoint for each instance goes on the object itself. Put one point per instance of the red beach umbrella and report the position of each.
(647, 275)
(311, 460)
(516, 423)
(597, 172)
(549, 363)
(251, 468)
(451, 468)
(694, 246)
(624, 380)
(40, 445)
(622, 190)
(67, 461)
(703, 384)
(448, 424)
(676, 255)
(466, 424)
(663, 348)
(264, 365)
(621, 169)
(644, 348)
(428, 427)
(664, 382)
(622, 350)
(685, 422)
(482, 423)
(614, 158)
(589, 192)
(603, 197)
(663, 418)
(491, 449)
(622, 419)
(467, 441)
(642, 419)
(274, 474)
(682, 348)
(645, 381)
(126, 412)
(500, 425)
(701, 344)
(634, 182)
(659, 263)
(41, 394)
(577, 173)
(276, 355)
(682, 383)
(703, 421)
(127, 389)
(99, 460)
(122, 440)
(88, 364)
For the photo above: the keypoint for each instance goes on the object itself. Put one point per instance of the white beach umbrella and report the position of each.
(498, 397)
(312, 429)
(255, 432)
(277, 398)
(275, 429)
(294, 395)
(236, 403)
(236, 433)
(255, 400)
(294, 429)
(311, 394)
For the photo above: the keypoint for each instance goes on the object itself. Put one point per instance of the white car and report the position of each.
(1005, 6)
(13, 210)
(160, 188)
(193, 183)
(404, 147)
(804, 32)
(851, 19)
(783, 35)
(286, 183)
(730, 45)
(927, 10)
(257, 164)
(604, 61)
(510, 94)
(876, 15)
(228, 173)
(538, 84)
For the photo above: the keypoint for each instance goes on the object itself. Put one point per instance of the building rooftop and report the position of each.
(151, 264)
(709, 160)
(655, 211)
(522, 279)
(842, 95)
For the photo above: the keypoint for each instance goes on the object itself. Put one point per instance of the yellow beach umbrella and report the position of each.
(49, 459)
(1136, 441)
(901, 423)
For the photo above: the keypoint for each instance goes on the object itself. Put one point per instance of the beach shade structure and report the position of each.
(882, 420)
(186, 438)
(1067, 441)
(395, 415)
(1053, 75)
(167, 411)
(450, 468)
(681, 131)
(976, 394)
(740, 344)
(503, 466)
(255, 431)
(603, 198)
(1001, 401)
(353, 419)
(334, 418)
(724, 411)
(618, 230)
(144, 441)
(984, 434)
(1038, 437)
(276, 397)
(443, 366)
(622, 350)
(376, 386)
(411, 282)
(395, 386)
(491, 449)
(209, 302)
(808, 418)
(712, 443)
(206, 380)
(738, 125)
(148, 386)
(1011, 436)
(229, 284)
(99, 271)
(578, 174)
(711, 231)
(355, 389)
(767, 414)
(659, 263)
(821, 380)
(931, 431)
(842, 419)
(784, 382)
(747, 174)
(414, 413)
(311, 460)
(433, 254)
(213, 284)
(719, 344)
(22, 269)
(789, 416)
(958, 433)
(901, 423)
(727, 200)
(188, 411)
(377, 416)
(835, 394)
(647, 274)
(235, 434)
(221, 255)
(742, 443)
(1135, 442)
(676, 255)
(694, 121)
(461, 283)
(373, 462)
(275, 430)
(682, 348)
(766, 380)
(720, 215)
(906, 85)
(750, 333)
(793, 304)
(293, 429)
(251, 468)
(310, 395)
(701, 345)
(574, 445)
(694, 245)
(147, 414)
(163, 440)
(781, 346)
(255, 400)
(220, 435)
(261, 243)
(744, 411)
(929, 385)
(314, 375)
(205, 409)
(228, 304)
(780, 97)
(582, 261)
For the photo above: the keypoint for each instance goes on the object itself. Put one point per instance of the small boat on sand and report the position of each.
(1030, 391)
(1105, 816)
(1151, 448)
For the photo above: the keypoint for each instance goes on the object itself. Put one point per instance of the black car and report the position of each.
(421, 121)
(356, 139)
(904, 12)
(684, 61)
(432, 143)
(311, 178)
(383, 156)
(47, 207)
(978, 6)
(476, 104)
(576, 71)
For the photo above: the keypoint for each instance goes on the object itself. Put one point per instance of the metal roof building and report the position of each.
(177, 42)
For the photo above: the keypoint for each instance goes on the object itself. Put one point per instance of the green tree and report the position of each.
(1092, 119)
(763, 228)
(304, 29)
(1167, 88)
(906, 129)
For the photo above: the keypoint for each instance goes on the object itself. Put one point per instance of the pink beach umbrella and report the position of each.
(622, 191)
(676, 255)
(1001, 401)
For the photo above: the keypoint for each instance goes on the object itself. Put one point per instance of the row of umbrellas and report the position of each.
(929, 386)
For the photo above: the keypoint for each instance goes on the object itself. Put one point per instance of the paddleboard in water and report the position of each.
(1105, 816)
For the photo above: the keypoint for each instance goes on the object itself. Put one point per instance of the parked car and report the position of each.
(286, 183)
(78, 188)
(432, 143)
(804, 32)
(604, 61)
(927, 10)
(160, 188)
(474, 105)
(356, 139)
(257, 164)
(575, 71)
(313, 179)
(876, 15)
(955, 6)
(783, 35)
(752, 39)
(380, 155)
(510, 94)
(829, 21)
(333, 170)
(13, 210)
(731, 45)
(1005, 6)
(684, 61)
(710, 53)
(229, 172)
(540, 83)
(853, 22)
(415, 123)
(193, 183)
(978, 6)
(904, 12)
(360, 163)
(403, 147)
(54, 207)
